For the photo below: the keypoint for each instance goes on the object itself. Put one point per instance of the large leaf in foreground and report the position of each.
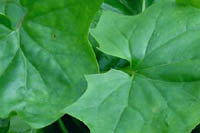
(44, 57)
(162, 95)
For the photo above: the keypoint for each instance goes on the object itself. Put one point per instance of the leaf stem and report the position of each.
(143, 5)
(62, 126)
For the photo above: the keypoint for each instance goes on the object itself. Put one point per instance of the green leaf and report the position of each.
(195, 3)
(162, 94)
(126, 7)
(44, 58)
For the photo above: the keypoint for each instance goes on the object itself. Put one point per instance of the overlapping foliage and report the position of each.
(151, 47)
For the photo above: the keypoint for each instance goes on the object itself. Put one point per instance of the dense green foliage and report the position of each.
(140, 73)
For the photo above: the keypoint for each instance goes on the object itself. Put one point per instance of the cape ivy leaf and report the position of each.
(140, 37)
(128, 7)
(162, 94)
(44, 59)
(118, 103)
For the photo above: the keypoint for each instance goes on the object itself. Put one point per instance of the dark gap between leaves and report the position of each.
(71, 124)
(196, 129)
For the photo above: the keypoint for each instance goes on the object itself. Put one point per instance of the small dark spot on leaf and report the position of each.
(54, 35)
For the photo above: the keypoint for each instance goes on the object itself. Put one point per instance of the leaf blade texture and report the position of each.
(162, 93)
(44, 57)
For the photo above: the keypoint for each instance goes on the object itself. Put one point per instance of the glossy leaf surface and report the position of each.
(44, 57)
(162, 93)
